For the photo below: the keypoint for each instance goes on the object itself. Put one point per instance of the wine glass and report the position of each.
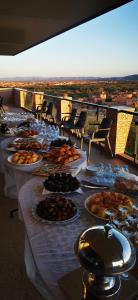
(111, 214)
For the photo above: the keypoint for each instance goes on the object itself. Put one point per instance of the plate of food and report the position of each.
(63, 155)
(99, 203)
(11, 148)
(61, 142)
(26, 145)
(29, 133)
(24, 158)
(127, 185)
(30, 145)
(55, 209)
(61, 183)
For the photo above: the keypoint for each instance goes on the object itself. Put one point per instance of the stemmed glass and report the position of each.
(110, 214)
(100, 172)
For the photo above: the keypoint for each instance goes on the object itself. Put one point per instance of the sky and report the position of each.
(105, 46)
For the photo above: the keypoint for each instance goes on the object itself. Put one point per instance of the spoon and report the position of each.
(90, 185)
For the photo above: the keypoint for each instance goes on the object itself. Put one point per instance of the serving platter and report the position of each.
(30, 137)
(41, 220)
(55, 209)
(61, 183)
(97, 203)
(21, 144)
(12, 149)
(24, 165)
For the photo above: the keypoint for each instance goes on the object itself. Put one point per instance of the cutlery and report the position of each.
(90, 185)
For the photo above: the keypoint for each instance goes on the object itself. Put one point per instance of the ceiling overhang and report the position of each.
(29, 23)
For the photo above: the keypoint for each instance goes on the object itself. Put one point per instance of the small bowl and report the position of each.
(91, 170)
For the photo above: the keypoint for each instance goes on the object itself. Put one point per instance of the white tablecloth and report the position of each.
(15, 118)
(49, 249)
(16, 176)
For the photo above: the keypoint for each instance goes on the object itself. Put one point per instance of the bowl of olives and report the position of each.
(61, 183)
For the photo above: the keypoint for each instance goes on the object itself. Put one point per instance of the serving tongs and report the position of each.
(90, 185)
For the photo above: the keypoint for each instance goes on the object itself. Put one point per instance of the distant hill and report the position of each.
(87, 78)
(131, 77)
(124, 78)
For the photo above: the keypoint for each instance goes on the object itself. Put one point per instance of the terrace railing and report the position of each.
(124, 131)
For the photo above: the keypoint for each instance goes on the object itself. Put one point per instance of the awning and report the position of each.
(24, 24)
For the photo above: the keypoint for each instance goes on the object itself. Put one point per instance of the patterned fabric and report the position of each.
(52, 246)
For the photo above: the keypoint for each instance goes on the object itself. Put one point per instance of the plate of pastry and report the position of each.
(24, 158)
(99, 203)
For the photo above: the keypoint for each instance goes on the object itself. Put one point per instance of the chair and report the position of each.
(79, 126)
(100, 135)
(68, 120)
(50, 113)
(41, 109)
(1, 104)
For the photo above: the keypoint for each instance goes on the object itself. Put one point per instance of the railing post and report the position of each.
(120, 128)
(37, 99)
(64, 107)
(23, 95)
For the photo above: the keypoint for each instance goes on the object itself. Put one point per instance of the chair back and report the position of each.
(50, 108)
(51, 111)
(81, 123)
(44, 106)
(72, 117)
(106, 123)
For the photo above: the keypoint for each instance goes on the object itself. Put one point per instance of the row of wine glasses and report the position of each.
(49, 131)
(107, 173)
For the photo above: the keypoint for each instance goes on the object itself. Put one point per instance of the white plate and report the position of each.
(90, 199)
(45, 191)
(29, 137)
(12, 149)
(39, 219)
(23, 165)
(92, 170)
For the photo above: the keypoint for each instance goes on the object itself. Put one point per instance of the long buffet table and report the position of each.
(49, 248)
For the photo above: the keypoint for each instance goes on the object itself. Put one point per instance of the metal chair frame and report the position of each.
(101, 139)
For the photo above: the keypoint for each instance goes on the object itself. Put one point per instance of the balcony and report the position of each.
(12, 266)
(123, 136)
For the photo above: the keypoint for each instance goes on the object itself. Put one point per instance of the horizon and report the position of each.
(106, 46)
(53, 77)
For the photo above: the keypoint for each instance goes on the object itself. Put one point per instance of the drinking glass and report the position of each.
(124, 211)
(111, 214)
(117, 169)
(100, 172)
